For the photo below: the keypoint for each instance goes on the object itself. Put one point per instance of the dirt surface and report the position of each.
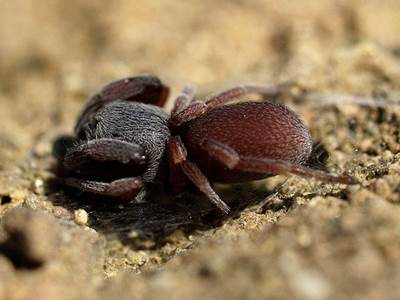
(288, 237)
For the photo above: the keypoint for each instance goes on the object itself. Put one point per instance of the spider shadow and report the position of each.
(156, 218)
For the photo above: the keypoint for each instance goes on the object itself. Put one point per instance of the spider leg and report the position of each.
(231, 159)
(126, 188)
(177, 179)
(198, 108)
(221, 152)
(146, 89)
(184, 99)
(103, 150)
(251, 164)
(179, 157)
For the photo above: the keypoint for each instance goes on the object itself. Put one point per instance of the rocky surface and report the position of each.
(289, 237)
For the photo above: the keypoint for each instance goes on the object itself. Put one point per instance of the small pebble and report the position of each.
(38, 185)
(81, 217)
(133, 234)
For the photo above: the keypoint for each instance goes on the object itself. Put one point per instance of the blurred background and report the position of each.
(55, 53)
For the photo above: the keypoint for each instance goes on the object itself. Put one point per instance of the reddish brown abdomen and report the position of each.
(254, 129)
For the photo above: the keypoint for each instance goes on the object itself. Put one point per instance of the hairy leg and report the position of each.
(231, 159)
(177, 179)
(184, 99)
(146, 89)
(179, 157)
(103, 150)
(196, 109)
(282, 167)
(126, 188)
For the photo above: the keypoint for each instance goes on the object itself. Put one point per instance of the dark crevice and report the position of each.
(13, 248)
(5, 199)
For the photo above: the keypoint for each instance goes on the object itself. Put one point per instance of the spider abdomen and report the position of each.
(252, 129)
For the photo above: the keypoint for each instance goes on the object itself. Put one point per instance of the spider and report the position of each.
(125, 143)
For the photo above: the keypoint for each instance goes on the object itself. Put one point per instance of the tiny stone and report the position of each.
(81, 217)
(38, 184)
(133, 234)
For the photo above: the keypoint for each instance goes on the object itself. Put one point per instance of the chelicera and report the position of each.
(125, 143)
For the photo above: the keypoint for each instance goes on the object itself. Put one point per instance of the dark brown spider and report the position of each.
(126, 143)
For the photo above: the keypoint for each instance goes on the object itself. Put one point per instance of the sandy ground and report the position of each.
(287, 239)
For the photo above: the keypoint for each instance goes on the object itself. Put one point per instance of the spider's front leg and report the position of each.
(79, 157)
(103, 150)
(195, 109)
(145, 89)
(125, 188)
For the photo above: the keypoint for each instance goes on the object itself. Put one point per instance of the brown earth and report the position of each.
(293, 239)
